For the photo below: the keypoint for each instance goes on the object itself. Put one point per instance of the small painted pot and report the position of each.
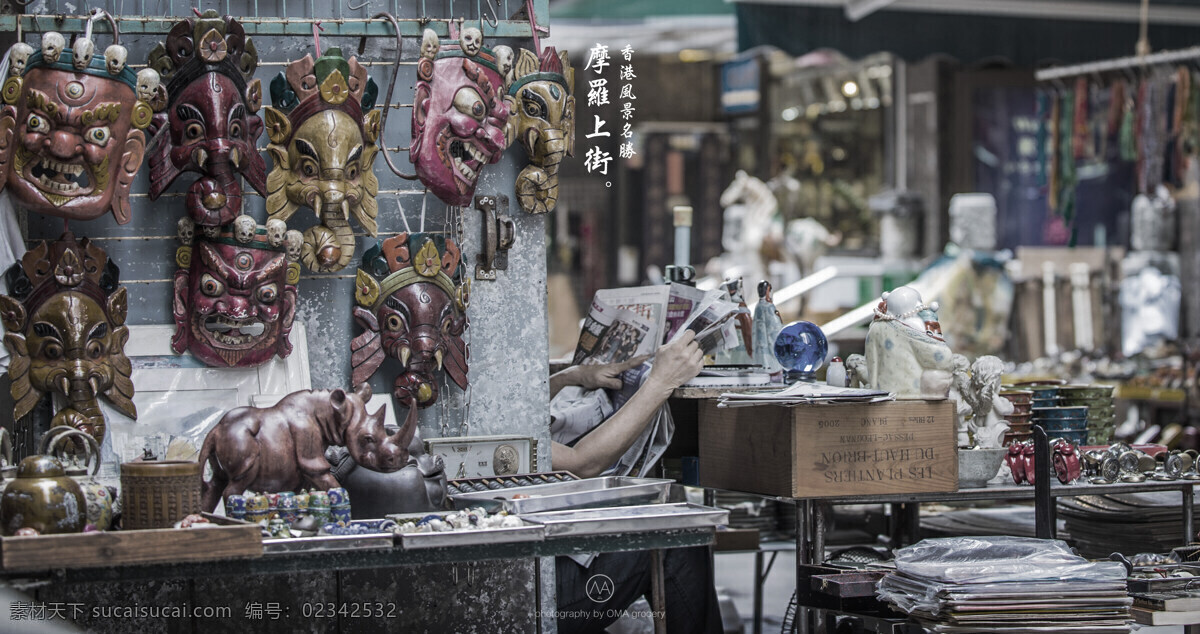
(272, 501)
(322, 514)
(1048, 413)
(338, 496)
(288, 509)
(341, 513)
(235, 506)
(302, 501)
(257, 507)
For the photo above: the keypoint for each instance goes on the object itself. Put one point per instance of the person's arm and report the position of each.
(591, 377)
(674, 364)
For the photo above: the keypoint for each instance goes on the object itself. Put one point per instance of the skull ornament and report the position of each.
(235, 299)
(412, 309)
(84, 49)
(324, 149)
(458, 120)
(210, 122)
(275, 231)
(471, 41)
(71, 132)
(18, 57)
(114, 59)
(504, 63)
(53, 44)
(543, 104)
(293, 242)
(186, 231)
(148, 81)
(244, 228)
(65, 317)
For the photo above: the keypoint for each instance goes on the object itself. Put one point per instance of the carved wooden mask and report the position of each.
(324, 149)
(542, 100)
(65, 321)
(459, 114)
(211, 121)
(71, 136)
(411, 309)
(235, 292)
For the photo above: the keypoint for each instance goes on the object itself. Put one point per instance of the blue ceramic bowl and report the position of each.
(1055, 425)
(1045, 402)
(1044, 391)
(1073, 437)
(1059, 412)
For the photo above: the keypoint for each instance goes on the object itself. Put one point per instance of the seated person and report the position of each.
(691, 600)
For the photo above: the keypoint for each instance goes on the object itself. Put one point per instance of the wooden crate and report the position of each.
(830, 450)
(232, 539)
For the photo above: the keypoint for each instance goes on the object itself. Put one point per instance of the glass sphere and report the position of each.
(801, 348)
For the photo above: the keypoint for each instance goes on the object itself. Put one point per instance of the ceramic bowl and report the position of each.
(1017, 396)
(1042, 404)
(1039, 383)
(1086, 391)
(977, 466)
(1010, 437)
(1055, 425)
(1074, 437)
(1043, 392)
(1085, 402)
(1018, 418)
(1023, 408)
(1059, 412)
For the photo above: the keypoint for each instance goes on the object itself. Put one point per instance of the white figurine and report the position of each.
(767, 325)
(988, 424)
(902, 356)
(835, 374)
(960, 388)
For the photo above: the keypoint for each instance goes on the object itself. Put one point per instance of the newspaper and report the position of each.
(681, 302)
(712, 321)
(649, 302)
(804, 392)
(613, 335)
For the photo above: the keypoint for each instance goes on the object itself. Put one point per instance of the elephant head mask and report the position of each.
(411, 308)
(324, 148)
(211, 122)
(542, 100)
(65, 317)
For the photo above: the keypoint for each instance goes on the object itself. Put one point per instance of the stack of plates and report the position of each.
(1099, 401)
(1006, 584)
(1128, 523)
(1068, 423)
(1019, 425)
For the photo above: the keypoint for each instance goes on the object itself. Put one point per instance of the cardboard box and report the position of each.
(830, 450)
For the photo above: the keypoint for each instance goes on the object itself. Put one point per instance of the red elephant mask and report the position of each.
(235, 292)
(324, 148)
(459, 113)
(71, 136)
(412, 309)
(65, 317)
(211, 123)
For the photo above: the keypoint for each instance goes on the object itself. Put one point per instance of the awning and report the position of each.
(1027, 33)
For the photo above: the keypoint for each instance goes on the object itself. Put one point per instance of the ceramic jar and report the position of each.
(100, 499)
(44, 498)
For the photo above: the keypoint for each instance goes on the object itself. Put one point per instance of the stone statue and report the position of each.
(989, 408)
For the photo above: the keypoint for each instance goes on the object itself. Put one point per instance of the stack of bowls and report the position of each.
(1044, 395)
(1019, 425)
(1068, 423)
(1098, 400)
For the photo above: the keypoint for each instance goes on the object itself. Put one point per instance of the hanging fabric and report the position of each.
(1055, 161)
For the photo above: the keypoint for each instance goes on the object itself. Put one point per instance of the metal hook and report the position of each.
(98, 14)
(495, 21)
(354, 8)
(387, 99)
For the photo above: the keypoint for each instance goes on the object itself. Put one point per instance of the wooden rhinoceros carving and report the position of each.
(282, 448)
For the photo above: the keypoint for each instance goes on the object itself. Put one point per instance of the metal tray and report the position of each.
(322, 543)
(576, 494)
(629, 519)
(416, 541)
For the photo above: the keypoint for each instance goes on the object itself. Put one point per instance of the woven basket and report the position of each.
(156, 494)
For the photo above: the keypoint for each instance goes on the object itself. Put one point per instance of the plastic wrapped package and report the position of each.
(976, 560)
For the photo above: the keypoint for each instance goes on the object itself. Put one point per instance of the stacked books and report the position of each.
(1126, 523)
(1168, 607)
(1015, 585)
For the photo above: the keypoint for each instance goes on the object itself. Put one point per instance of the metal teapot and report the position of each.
(42, 497)
(100, 498)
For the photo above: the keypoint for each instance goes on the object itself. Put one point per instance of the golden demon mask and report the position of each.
(459, 114)
(324, 149)
(235, 291)
(412, 307)
(71, 136)
(65, 317)
(543, 103)
(211, 123)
